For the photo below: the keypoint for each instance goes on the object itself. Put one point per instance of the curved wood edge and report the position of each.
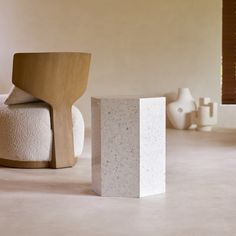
(59, 79)
(27, 164)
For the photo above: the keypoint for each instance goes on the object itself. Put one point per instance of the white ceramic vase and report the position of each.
(206, 115)
(179, 111)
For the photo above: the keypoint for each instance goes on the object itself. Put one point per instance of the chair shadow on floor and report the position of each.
(37, 185)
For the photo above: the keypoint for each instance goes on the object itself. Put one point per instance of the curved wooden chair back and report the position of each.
(59, 79)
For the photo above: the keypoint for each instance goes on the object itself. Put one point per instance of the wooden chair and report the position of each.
(58, 79)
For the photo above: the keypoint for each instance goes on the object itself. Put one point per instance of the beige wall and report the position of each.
(147, 47)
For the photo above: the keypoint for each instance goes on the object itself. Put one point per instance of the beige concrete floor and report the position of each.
(200, 198)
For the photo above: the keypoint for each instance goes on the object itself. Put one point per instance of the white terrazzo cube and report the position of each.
(128, 146)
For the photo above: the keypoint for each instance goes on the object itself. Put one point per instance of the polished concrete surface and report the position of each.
(200, 199)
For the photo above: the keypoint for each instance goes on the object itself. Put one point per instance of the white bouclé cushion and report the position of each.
(25, 131)
(18, 96)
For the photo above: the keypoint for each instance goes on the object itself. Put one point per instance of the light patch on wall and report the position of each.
(150, 47)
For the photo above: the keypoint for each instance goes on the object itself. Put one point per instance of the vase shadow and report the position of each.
(170, 97)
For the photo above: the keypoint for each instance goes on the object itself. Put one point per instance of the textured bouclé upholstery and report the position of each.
(25, 131)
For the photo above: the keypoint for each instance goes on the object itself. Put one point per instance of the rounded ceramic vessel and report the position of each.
(179, 111)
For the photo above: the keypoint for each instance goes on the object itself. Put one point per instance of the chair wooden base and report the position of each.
(27, 164)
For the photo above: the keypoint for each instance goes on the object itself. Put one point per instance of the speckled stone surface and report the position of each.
(128, 146)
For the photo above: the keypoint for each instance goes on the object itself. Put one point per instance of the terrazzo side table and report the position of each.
(128, 146)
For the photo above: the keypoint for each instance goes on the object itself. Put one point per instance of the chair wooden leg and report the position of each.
(63, 146)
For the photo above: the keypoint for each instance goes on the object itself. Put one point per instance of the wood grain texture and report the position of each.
(26, 164)
(59, 79)
(229, 52)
